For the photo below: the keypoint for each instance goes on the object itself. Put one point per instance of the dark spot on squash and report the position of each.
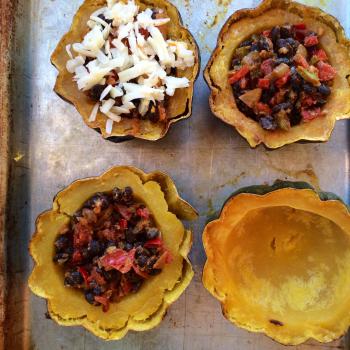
(276, 323)
(273, 244)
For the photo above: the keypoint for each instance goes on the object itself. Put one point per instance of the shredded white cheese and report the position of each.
(126, 45)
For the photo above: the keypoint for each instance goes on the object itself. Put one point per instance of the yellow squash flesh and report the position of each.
(279, 263)
(142, 310)
(241, 26)
(178, 107)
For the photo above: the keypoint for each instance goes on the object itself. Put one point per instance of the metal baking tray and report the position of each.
(50, 147)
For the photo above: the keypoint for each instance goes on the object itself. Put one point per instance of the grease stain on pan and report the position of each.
(307, 174)
(233, 182)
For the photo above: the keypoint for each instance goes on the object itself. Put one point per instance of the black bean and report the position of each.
(309, 89)
(295, 117)
(275, 34)
(254, 47)
(283, 105)
(324, 90)
(117, 194)
(295, 81)
(142, 260)
(97, 200)
(130, 237)
(280, 60)
(128, 246)
(90, 298)
(133, 277)
(62, 242)
(136, 286)
(245, 43)
(263, 44)
(285, 31)
(268, 122)
(94, 248)
(235, 62)
(96, 91)
(128, 194)
(61, 258)
(73, 278)
(154, 272)
(321, 101)
(152, 233)
(97, 290)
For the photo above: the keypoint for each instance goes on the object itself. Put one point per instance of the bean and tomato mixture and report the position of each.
(110, 247)
(281, 77)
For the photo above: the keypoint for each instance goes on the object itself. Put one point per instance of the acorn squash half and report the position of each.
(278, 260)
(142, 310)
(242, 25)
(178, 106)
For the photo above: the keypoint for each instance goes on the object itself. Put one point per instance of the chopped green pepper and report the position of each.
(308, 76)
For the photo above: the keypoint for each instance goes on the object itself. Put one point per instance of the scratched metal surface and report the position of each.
(208, 160)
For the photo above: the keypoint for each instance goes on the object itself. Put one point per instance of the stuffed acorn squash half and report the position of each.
(128, 67)
(280, 73)
(111, 255)
(278, 260)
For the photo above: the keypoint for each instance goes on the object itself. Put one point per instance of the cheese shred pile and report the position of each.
(129, 46)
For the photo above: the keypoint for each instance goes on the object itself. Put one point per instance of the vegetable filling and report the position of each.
(110, 247)
(281, 77)
(127, 63)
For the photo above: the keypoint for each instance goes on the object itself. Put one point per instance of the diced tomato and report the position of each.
(267, 66)
(325, 71)
(84, 273)
(143, 213)
(321, 55)
(95, 276)
(82, 235)
(308, 101)
(124, 211)
(300, 34)
(125, 286)
(237, 75)
(157, 242)
(102, 300)
(119, 259)
(282, 81)
(264, 83)
(165, 258)
(266, 33)
(243, 83)
(311, 40)
(299, 26)
(310, 113)
(77, 257)
(263, 108)
(123, 224)
(140, 272)
(301, 61)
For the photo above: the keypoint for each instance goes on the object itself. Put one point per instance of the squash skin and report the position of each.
(239, 311)
(241, 25)
(142, 310)
(179, 106)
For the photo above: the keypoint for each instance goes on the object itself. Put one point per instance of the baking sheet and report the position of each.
(208, 160)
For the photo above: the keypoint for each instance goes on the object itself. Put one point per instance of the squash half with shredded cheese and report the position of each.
(128, 67)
